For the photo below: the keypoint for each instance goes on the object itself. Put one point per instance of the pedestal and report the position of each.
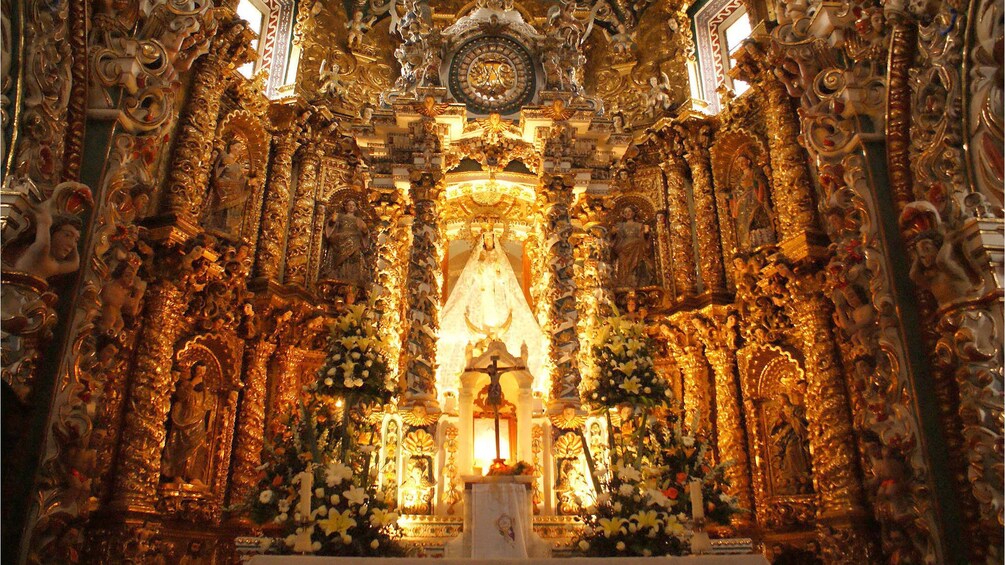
(498, 520)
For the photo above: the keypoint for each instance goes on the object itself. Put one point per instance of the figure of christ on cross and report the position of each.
(495, 397)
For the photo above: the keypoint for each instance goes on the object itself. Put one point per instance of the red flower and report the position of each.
(671, 493)
(681, 477)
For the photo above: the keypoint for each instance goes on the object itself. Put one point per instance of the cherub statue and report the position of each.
(357, 27)
(659, 98)
(54, 251)
(622, 41)
(121, 296)
(331, 79)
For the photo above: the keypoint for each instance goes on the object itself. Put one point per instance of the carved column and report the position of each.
(663, 250)
(718, 333)
(681, 238)
(697, 140)
(287, 380)
(299, 235)
(593, 280)
(251, 420)
(190, 165)
(790, 176)
(687, 355)
(276, 213)
(387, 290)
(139, 462)
(423, 284)
(841, 520)
(562, 314)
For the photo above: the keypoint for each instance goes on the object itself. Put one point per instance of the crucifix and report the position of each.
(495, 395)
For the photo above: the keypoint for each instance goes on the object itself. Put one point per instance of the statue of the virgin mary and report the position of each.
(488, 301)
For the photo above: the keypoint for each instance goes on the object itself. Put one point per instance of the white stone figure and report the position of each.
(622, 41)
(659, 98)
(331, 79)
(54, 251)
(357, 27)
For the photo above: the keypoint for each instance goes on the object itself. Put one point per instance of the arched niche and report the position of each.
(237, 178)
(774, 389)
(743, 183)
(515, 415)
(344, 239)
(631, 225)
(195, 459)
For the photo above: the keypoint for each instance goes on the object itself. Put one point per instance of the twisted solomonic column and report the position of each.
(144, 432)
(697, 138)
(681, 240)
(302, 215)
(423, 287)
(556, 196)
(276, 215)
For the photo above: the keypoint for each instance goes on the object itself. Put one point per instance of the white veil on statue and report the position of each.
(487, 298)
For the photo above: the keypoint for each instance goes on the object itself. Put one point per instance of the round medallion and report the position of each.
(492, 74)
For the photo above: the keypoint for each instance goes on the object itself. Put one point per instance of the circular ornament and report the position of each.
(492, 74)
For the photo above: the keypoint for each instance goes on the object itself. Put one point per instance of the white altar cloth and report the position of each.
(686, 560)
(498, 521)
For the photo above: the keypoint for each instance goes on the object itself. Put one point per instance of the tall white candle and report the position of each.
(697, 505)
(306, 490)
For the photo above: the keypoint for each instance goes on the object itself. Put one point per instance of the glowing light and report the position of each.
(485, 442)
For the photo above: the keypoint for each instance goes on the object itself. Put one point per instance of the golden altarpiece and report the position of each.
(818, 259)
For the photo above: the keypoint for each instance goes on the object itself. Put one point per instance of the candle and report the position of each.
(697, 506)
(306, 485)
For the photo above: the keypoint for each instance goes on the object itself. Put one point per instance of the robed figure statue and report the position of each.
(346, 245)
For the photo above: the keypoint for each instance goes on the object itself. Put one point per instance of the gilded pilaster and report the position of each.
(251, 420)
(556, 196)
(679, 220)
(423, 284)
(139, 462)
(276, 213)
(299, 235)
(697, 139)
(717, 330)
(193, 154)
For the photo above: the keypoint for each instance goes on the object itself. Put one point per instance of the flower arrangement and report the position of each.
(656, 472)
(504, 470)
(315, 483)
(356, 366)
(623, 367)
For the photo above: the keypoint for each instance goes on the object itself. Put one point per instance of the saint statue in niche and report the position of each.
(748, 204)
(790, 454)
(417, 490)
(230, 188)
(630, 246)
(346, 244)
(185, 453)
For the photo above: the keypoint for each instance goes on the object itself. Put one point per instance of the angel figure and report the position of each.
(54, 251)
(659, 98)
(331, 79)
(357, 27)
(622, 41)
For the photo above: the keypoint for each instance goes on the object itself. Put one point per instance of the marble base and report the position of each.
(686, 560)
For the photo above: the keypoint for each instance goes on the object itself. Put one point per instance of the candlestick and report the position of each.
(697, 505)
(306, 486)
